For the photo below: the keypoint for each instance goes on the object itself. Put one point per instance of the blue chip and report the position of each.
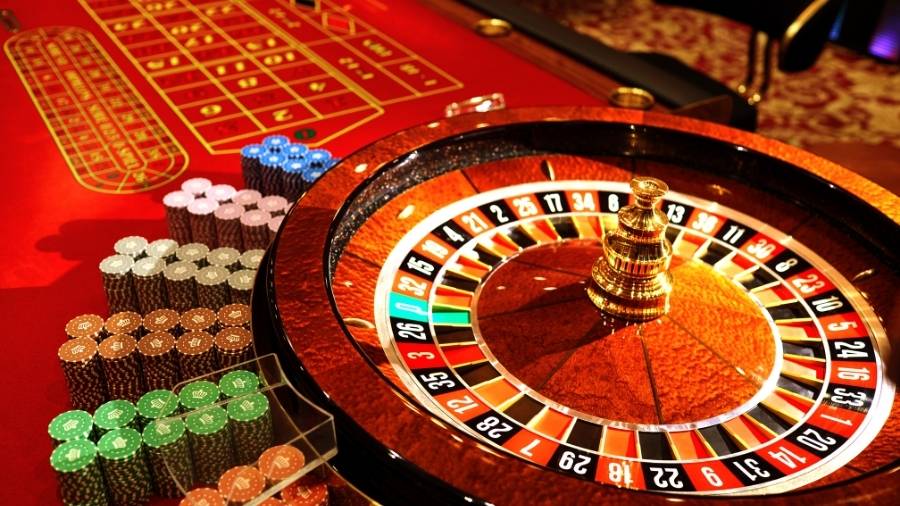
(276, 142)
(310, 174)
(295, 150)
(293, 166)
(273, 160)
(253, 151)
(319, 156)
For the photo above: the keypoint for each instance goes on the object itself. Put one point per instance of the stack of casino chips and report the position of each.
(133, 246)
(181, 288)
(117, 283)
(247, 482)
(177, 216)
(159, 360)
(124, 466)
(198, 394)
(280, 462)
(80, 364)
(210, 440)
(168, 456)
(227, 258)
(156, 405)
(194, 252)
(255, 228)
(240, 286)
(251, 259)
(247, 198)
(303, 494)
(78, 473)
(238, 382)
(203, 496)
(71, 425)
(241, 484)
(234, 345)
(114, 414)
(200, 319)
(121, 364)
(251, 426)
(164, 249)
(149, 284)
(212, 286)
(228, 225)
(163, 320)
(278, 166)
(203, 221)
(124, 322)
(234, 315)
(85, 325)
(128, 354)
(196, 354)
(221, 193)
(180, 277)
(214, 215)
(274, 225)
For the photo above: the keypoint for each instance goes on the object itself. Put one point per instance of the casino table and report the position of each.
(95, 151)
(111, 104)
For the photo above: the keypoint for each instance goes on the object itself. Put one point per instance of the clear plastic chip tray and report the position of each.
(235, 431)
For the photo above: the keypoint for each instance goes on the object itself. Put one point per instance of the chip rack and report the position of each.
(295, 420)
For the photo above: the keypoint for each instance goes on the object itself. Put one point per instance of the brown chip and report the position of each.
(117, 346)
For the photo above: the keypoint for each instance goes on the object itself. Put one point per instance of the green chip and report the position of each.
(74, 424)
(238, 383)
(73, 456)
(206, 421)
(198, 394)
(159, 433)
(157, 404)
(119, 444)
(248, 407)
(114, 415)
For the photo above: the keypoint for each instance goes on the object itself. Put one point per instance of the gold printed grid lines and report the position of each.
(111, 139)
(233, 73)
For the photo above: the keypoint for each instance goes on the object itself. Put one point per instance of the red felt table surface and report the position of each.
(57, 229)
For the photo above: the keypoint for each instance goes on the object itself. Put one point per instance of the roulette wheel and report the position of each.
(463, 296)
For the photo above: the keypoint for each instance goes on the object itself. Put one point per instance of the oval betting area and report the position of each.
(459, 256)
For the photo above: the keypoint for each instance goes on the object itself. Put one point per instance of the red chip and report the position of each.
(303, 495)
(280, 462)
(202, 497)
(241, 484)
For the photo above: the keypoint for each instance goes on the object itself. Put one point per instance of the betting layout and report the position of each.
(112, 141)
(133, 92)
(814, 391)
(235, 71)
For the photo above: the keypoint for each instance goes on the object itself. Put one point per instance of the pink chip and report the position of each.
(220, 192)
(196, 186)
(272, 203)
(203, 206)
(178, 199)
(255, 217)
(229, 212)
(275, 222)
(246, 197)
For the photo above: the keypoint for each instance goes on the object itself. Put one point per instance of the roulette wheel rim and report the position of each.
(294, 305)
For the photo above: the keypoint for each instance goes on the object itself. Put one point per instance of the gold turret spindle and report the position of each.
(631, 279)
